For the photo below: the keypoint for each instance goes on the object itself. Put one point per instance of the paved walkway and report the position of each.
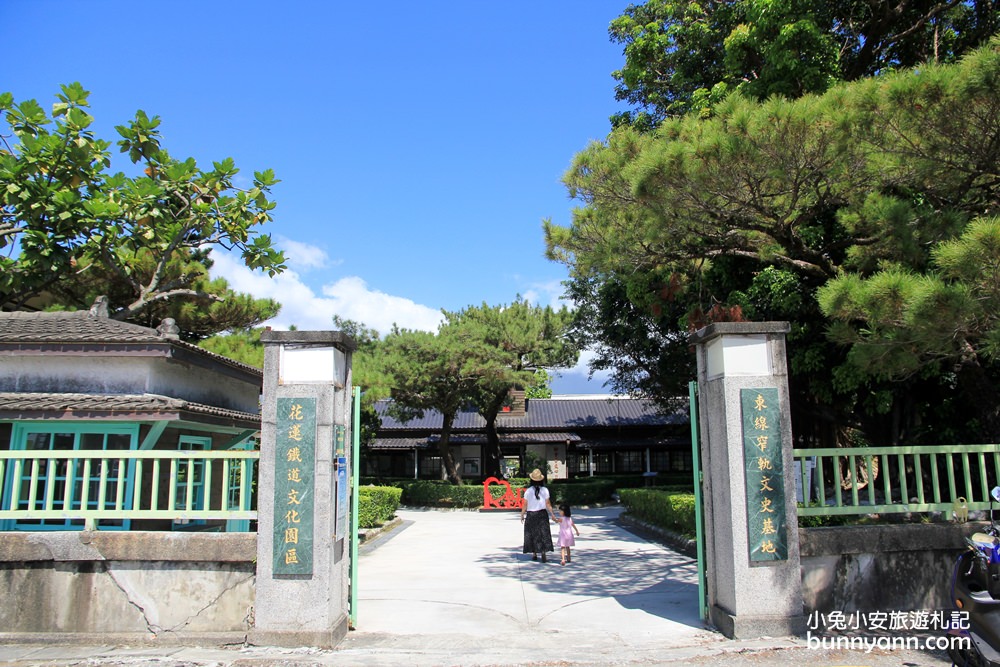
(452, 588)
(458, 580)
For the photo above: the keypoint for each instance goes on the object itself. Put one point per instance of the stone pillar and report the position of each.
(302, 497)
(751, 529)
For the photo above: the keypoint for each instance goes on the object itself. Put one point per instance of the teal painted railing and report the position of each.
(126, 484)
(866, 480)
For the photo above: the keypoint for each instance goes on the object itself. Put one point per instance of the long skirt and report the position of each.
(537, 533)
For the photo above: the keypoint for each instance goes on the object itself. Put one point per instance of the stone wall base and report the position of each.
(753, 627)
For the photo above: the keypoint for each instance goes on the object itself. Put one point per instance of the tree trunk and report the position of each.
(491, 451)
(492, 456)
(444, 449)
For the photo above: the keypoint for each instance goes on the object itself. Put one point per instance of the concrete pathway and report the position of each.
(458, 580)
(453, 588)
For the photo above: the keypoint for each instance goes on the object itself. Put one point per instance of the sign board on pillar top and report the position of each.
(311, 357)
(301, 364)
(738, 348)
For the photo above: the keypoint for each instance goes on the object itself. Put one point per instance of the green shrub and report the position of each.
(437, 493)
(581, 493)
(440, 493)
(667, 509)
(376, 505)
(684, 480)
(622, 481)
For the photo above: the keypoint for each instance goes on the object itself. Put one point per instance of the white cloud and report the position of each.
(349, 297)
(577, 380)
(548, 294)
(352, 298)
(377, 309)
(304, 256)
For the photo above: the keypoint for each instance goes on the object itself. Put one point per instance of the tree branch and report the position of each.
(137, 305)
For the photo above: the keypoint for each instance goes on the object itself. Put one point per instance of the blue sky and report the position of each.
(419, 144)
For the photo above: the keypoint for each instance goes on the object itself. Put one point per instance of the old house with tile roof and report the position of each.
(577, 435)
(83, 382)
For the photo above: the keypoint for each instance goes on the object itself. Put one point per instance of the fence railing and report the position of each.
(48, 486)
(864, 480)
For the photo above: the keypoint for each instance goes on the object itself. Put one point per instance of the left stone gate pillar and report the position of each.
(302, 495)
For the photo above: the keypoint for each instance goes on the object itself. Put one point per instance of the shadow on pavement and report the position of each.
(610, 562)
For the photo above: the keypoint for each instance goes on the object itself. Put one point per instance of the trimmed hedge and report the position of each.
(667, 509)
(440, 493)
(436, 493)
(376, 505)
(582, 493)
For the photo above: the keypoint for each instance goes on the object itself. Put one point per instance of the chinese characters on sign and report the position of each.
(766, 530)
(294, 457)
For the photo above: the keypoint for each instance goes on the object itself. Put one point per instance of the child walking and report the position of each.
(566, 528)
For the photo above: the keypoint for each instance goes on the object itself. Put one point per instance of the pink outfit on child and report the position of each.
(566, 532)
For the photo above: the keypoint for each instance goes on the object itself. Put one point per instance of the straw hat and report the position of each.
(536, 475)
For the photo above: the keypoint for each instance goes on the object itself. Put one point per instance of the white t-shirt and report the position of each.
(534, 504)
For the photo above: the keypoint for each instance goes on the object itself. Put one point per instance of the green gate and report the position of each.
(699, 519)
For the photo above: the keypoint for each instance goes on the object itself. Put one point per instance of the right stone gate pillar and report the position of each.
(754, 584)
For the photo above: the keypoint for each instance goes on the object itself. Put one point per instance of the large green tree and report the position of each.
(72, 229)
(508, 344)
(765, 202)
(900, 324)
(243, 346)
(368, 370)
(432, 371)
(629, 322)
(683, 56)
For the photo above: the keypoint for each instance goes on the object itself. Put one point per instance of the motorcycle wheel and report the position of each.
(966, 658)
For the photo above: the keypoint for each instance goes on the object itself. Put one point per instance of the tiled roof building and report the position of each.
(578, 435)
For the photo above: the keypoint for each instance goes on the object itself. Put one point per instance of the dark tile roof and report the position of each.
(506, 438)
(71, 327)
(400, 443)
(473, 439)
(57, 405)
(81, 328)
(552, 413)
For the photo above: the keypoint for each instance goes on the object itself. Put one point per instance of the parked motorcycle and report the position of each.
(975, 587)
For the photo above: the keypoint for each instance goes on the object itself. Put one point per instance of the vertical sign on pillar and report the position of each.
(340, 465)
(295, 461)
(765, 485)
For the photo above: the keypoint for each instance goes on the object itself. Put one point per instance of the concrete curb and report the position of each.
(664, 536)
(368, 535)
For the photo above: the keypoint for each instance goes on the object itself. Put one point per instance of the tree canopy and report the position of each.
(509, 344)
(684, 56)
(432, 371)
(749, 212)
(474, 359)
(72, 229)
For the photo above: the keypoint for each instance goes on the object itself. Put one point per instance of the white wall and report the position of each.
(97, 374)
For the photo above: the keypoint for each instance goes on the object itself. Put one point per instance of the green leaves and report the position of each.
(677, 52)
(910, 319)
(75, 224)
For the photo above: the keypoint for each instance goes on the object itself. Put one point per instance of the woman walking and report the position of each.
(535, 512)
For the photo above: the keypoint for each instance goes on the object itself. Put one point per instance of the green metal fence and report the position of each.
(866, 480)
(91, 486)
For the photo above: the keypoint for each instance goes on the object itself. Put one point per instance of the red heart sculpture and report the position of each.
(511, 499)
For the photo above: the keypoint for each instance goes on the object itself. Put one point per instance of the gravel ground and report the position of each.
(826, 658)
